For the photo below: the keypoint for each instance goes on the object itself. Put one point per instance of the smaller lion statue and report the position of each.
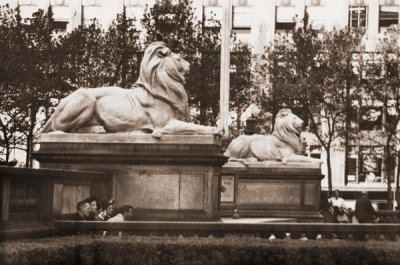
(157, 103)
(283, 144)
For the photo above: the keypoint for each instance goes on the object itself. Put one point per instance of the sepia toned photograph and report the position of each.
(199, 132)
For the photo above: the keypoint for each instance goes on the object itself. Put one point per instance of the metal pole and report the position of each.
(225, 65)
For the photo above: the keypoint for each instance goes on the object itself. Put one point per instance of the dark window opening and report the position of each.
(370, 118)
(284, 27)
(387, 18)
(351, 170)
(60, 26)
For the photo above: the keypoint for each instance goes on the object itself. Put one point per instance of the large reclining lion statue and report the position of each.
(157, 103)
(284, 144)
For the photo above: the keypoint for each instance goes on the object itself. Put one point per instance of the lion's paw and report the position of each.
(57, 132)
(98, 129)
(157, 133)
(216, 131)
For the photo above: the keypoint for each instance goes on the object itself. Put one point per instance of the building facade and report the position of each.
(258, 22)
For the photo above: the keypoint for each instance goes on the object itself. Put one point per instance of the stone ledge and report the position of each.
(274, 169)
(273, 164)
(127, 138)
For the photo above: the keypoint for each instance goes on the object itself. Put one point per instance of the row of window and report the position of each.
(242, 13)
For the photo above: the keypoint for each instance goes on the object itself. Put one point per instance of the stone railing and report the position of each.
(388, 216)
(219, 229)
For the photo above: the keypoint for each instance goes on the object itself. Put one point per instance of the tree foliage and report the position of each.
(311, 71)
(383, 75)
(30, 70)
(176, 25)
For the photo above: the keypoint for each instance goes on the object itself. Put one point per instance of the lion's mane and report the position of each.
(285, 131)
(161, 77)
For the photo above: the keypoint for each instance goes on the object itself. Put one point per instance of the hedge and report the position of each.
(195, 250)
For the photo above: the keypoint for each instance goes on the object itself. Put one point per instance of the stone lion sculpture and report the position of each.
(157, 103)
(283, 144)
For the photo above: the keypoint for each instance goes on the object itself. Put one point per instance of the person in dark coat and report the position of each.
(326, 209)
(83, 213)
(365, 213)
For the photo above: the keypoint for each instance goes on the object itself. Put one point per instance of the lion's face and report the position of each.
(286, 120)
(177, 67)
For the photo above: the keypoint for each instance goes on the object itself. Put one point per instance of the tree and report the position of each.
(242, 93)
(309, 72)
(30, 62)
(175, 24)
(95, 57)
(385, 86)
(338, 85)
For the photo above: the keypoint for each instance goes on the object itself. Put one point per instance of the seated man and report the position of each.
(125, 214)
(106, 210)
(93, 207)
(83, 213)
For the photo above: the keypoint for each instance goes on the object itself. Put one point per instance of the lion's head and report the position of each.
(162, 74)
(287, 128)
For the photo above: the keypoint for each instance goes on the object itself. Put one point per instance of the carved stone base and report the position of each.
(172, 178)
(272, 189)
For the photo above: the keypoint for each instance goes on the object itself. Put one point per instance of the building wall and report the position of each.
(256, 19)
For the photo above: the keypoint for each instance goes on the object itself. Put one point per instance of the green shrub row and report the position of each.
(195, 250)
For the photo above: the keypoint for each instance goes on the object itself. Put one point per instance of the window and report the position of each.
(60, 26)
(370, 118)
(317, 12)
(134, 3)
(242, 17)
(284, 21)
(27, 2)
(358, 16)
(90, 14)
(315, 151)
(91, 2)
(212, 14)
(137, 13)
(388, 15)
(58, 2)
(351, 169)
(370, 158)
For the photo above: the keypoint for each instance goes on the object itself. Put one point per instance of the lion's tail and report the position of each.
(238, 148)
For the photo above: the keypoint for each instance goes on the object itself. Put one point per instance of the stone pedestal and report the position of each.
(272, 189)
(172, 178)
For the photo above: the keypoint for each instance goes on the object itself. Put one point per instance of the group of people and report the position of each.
(334, 209)
(89, 210)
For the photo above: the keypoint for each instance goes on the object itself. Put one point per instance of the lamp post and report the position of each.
(251, 125)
